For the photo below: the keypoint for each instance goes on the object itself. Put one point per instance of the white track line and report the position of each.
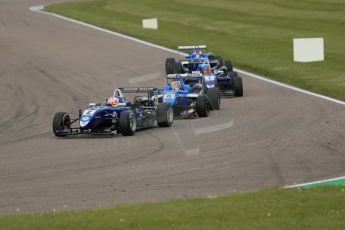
(315, 182)
(40, 8)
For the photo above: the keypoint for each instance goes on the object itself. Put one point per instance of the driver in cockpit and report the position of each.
(175, 85)
(113, 101)
(206, 69)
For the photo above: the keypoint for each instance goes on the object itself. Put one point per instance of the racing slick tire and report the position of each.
(220, 60)
(202, 106)
(179, 68)
(164, 115)
(170, 65)
(213, 95)
(238, 86)
(128, 123)
(61, 122)
(228, 65)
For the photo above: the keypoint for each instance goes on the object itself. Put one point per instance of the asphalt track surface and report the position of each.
(270, 137)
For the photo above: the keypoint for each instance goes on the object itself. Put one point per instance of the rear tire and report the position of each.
(164, 115)
(202, 107)
(238, 87)
(61, 122)
(213, 95)
(128, 123)
(228, 65)
(170, 65)
(220, 60)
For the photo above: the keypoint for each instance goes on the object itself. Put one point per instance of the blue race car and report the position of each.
(228, 82)
(185, 92)
(219, 73)
(193, 60)
(117, 115)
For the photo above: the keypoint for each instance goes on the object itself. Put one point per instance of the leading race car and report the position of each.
(117, 115)
(186, 93)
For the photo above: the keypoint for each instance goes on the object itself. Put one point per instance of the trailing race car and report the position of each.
(193, 60)
(187, 94)
(219, 73)
(117, 115)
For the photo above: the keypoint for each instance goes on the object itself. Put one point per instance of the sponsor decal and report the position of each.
(209, 77)
(138, 89)
(85, 118)
(169, 96)
(89, 112)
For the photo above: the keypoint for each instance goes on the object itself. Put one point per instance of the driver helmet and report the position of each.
(175, 85)
(113, 101)
(197, 53)
(206, 68)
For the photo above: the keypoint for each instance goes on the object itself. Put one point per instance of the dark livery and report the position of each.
(117, 115)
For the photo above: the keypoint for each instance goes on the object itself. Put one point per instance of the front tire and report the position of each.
(179, 68)
(170, 65)
(202, 107)
(128, 123)
(213, 95)
(61, 123)
(164, 115)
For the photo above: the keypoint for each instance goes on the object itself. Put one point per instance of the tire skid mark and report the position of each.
(276, 169)
(26, 138)
(22, 114)
(56, 80)
(17, 110)
(4, 23)
(161, 146)
(143, 156)
(58, 171)
(26, 23)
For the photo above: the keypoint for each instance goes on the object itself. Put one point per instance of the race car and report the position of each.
(228, 82)
(193, 60)
(117, 115)
(185, 92)
(222, 75)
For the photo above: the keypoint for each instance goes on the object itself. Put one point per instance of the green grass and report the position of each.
(314, 208)
(256, 34)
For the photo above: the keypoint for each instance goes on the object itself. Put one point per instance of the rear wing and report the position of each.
(138, 89)
(198, 47)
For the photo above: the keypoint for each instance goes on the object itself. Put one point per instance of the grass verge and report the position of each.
(314, 208)
(256, 34)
